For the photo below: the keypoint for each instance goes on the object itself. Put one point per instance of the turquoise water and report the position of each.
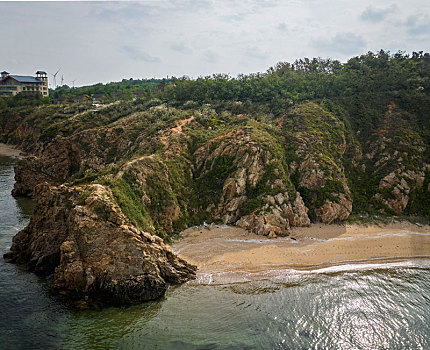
(385, 306)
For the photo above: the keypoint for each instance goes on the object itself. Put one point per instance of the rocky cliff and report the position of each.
(118, 176)
(173, 167)
(82, 238)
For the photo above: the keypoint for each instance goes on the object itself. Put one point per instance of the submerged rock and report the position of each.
(83, 239)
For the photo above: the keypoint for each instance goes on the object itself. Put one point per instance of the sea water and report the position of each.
(363, 306)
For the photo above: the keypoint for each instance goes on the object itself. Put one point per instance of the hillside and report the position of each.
(315, 141)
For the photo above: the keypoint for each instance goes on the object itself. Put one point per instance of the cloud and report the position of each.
(192, 5)
(124, 11)
(148, 11)
(137, 54)
(282, 27)
(238, 17)
(256, 52)
(182, 48)
(265, 3)
(374, 15)
(347, 43)
(418, 25)
(210, 56)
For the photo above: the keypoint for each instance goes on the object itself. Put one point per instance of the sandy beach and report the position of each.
(223, 248)
(9, 151)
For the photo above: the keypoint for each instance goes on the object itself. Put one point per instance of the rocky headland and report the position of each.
(84, 240)
(114, 183)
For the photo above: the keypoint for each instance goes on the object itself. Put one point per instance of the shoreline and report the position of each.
(10, 151)
(230, 253)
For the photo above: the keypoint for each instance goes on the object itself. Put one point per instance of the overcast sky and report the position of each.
(108, 41)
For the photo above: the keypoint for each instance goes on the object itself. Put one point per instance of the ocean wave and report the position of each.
(291, 275)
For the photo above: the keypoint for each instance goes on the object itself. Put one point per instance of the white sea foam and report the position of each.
(264, 241)
(359, 236)
(289, 275)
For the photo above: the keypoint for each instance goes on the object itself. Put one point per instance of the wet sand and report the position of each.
(10, 151)
(228, 249)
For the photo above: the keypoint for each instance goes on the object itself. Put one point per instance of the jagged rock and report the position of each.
(229, 189)
(234, 204)
(83, 238)
(297, 213)
(321, 144)
(56, 162)
(280, 199)
(27, 176)
(272, 235)
(94, 248)
(276, 220)
(388, 181)
(332, 211)
(400, 188)
(311, 176)
(270, 200)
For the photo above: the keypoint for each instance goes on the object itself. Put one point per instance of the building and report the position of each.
(11, 85)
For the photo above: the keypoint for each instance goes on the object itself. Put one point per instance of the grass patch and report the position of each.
(129, 200)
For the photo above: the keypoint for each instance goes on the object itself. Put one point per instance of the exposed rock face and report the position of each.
(320, 143)
(161, 169)
(83, 238)
(397, 157)
(28, 175)
(257, 180)
(332, 211)
(55, 163)
(248, 160)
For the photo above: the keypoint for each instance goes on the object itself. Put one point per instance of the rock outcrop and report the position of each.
(319, 142)
(257, 193)
(397, 157)
(83, 239)
(119, 179)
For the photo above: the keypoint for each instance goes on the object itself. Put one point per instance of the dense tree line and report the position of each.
(362, 87)
(307, 79)
(123, 90)
(359, 89)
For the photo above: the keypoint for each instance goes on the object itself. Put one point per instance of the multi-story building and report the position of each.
(10, 85)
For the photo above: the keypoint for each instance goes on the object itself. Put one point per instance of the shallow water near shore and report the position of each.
(358, 306)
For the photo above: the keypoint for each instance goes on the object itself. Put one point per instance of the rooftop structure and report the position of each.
(11, 85)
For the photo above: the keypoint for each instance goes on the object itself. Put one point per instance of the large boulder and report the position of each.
(83, 239)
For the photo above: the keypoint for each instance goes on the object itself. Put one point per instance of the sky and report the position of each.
(99, 41)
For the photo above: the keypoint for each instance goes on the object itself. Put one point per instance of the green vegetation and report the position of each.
(353, 122)
(124, 90)
(210, 180)
(128, 197)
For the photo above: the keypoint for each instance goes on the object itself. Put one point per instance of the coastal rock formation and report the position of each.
(115, 187)
(318, 139)
(313, 141)
(83, 239)
(398, 159)
(257, 193)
